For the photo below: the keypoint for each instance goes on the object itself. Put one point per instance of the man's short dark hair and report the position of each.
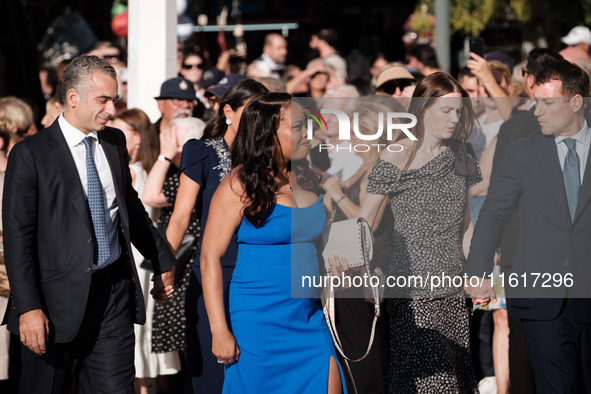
(465, 72)
(539, 58)
(573, 78)
(329, 35)
(425, 54)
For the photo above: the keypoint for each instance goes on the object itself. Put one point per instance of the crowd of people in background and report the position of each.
(212, 118)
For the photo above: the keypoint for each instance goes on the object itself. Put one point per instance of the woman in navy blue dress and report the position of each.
(204, 164)
(277, 343)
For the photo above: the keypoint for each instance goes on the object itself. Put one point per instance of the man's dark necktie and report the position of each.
(96, 202)
(572, 176)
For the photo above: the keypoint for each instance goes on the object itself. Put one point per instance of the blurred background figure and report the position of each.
(490, 121)
(192, 67)
(273, 84)
(16, 119)
(258, 70)
(471, 85)
(16, 122)
(274, 54)
(4, 286)
(325, 41)
(377, 65)
(53, 109)
(289, 74)
(395, 80)
(316, 76)
(578, 41)
(169, 322)
(142, 146)
(176, 100)
(423, 59)
(215, 93)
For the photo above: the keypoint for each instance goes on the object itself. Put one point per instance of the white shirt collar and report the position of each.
(582, 137)
(274, 66)
(72, 135)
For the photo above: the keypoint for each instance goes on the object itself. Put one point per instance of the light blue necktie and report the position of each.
(572, 176)
(96, 202)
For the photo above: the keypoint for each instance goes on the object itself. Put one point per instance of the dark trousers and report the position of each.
(559, 351)
(520, 373)
(102, 353)
(481, 333)
(204, 374)
(354, 317)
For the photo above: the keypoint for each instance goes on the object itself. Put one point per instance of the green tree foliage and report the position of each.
(471, 16)
(545, 17)
(522, 9)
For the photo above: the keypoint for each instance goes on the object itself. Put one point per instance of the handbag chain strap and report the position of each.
(328, 307)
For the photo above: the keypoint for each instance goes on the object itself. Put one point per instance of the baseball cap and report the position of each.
(577, 35)
(177, 88)
(393, 71)
(224, 84)
(210, 77)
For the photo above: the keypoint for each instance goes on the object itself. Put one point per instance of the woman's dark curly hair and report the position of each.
(235, 97)
(256, 153)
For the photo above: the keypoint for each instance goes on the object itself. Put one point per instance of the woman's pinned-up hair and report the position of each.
(235, 97)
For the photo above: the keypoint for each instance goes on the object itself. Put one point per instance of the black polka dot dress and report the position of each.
(429, 328)
(168, 328)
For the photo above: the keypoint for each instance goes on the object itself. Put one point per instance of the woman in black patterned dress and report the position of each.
(169, 323)
(427, 185)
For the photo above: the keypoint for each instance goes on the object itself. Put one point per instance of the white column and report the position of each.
(442, 40)
(151, 52)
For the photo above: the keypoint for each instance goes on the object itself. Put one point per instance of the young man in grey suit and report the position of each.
(546, 176)
(70, 215)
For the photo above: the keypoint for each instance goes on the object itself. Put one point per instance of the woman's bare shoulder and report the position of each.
(231, 188)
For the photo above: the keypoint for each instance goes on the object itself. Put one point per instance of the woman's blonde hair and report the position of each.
(16, 117)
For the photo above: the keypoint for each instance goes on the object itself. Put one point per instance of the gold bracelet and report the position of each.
(339, 200)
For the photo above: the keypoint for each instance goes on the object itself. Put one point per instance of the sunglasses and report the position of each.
(391, 86)
(194, 66)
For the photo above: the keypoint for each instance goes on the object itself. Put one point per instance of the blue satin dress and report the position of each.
(285, 346)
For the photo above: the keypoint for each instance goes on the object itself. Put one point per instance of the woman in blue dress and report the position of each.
(204, 164)
(276, 343)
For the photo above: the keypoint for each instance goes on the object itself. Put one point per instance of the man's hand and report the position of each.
(34, 329)
(163, 286)
(480, 68)
(480, 290)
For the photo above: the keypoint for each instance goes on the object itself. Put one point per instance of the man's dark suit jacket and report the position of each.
(529, 177)
(48, 237)
(518, 127)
